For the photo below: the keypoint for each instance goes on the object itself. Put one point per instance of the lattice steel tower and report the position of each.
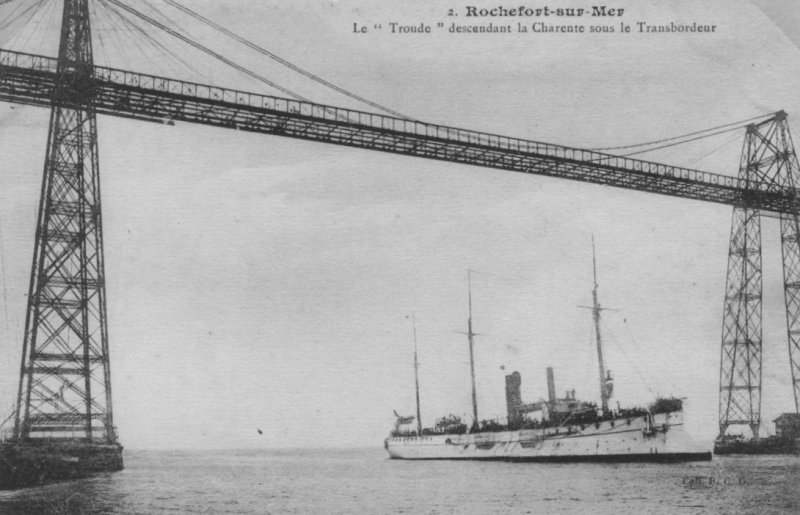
(65, 387)
(768, 160)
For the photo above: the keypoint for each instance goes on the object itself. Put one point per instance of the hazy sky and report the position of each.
(261, 282)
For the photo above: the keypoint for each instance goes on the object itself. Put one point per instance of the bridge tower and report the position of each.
(769, 161)
(65, 384)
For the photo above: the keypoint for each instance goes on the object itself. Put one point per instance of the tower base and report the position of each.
(31, 463)
(769, 445)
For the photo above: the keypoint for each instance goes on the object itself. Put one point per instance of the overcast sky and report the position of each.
(261, 282)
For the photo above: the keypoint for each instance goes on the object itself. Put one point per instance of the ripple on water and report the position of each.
(346, 481)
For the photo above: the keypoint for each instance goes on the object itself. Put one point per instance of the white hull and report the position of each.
(631, 439)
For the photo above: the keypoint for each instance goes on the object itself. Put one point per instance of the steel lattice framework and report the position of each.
(65, 387)
(767, 157)
(787, 167)
(740, 369)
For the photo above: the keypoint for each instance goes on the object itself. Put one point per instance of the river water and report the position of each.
(365, 481)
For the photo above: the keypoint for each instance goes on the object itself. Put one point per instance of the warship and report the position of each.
(563, 429)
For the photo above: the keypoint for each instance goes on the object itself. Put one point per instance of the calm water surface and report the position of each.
(365, 481)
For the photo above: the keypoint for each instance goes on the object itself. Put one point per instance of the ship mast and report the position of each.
(416, 374)
(470, 336)
(596, 314)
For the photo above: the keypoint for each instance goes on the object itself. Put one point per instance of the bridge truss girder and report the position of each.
(30, 79)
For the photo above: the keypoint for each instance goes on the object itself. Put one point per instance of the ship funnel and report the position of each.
(551, 386)
(513, 397)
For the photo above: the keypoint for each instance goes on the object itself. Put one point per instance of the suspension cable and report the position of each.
(681, 142)
(11, 18)
(738, 125)
(154, 42)
(205, 49)
(43, 8)
(284, 62)
(32, 9)
(716, 149)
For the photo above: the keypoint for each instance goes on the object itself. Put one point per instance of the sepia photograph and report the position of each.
(349, 256)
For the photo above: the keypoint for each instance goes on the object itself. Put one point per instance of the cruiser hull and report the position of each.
(620, 440)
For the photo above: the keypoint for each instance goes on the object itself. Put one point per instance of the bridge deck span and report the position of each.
(30, 79)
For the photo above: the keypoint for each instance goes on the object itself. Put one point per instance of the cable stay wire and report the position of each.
(681, 142)
(284, 62)
(99, 30)
(166, 20)
(205, 49)
(10, 19)
(187, 39)
(163, 49)
(727, 142)
(31, 11)
(729, 127)
(739, 124)
(116, 43)
(123, 39)
(45, 10)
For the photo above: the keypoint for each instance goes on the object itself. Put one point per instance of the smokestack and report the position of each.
(551, 386)
(513, 397)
